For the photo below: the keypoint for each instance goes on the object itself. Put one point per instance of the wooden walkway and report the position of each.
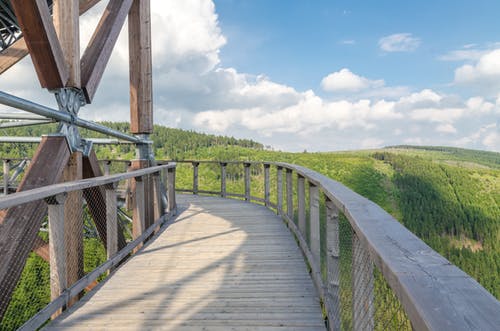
(220, 265)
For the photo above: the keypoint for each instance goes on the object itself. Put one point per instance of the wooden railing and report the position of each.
(431, 293)
(162, 205)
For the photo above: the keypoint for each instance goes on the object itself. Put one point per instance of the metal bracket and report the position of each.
(144, 151)
(69, 100)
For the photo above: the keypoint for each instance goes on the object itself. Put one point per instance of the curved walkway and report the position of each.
(220, 265)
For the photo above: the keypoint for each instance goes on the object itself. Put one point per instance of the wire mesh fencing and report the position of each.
(48, 245)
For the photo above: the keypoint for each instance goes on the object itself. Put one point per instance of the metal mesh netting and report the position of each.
(84, 234)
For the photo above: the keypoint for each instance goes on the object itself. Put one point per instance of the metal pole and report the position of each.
(19, 103)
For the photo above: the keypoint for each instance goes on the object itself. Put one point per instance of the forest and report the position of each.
(449, 197)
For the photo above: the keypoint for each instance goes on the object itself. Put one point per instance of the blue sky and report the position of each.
(316, 75)
(297, 42)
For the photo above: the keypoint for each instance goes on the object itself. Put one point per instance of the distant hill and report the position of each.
(490, 159)
(449, 197)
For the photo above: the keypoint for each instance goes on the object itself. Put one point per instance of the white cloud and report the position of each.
(399, 42)
(483, 76)
(194, 90)
(348, 42)
(446, 128)
(344, 80)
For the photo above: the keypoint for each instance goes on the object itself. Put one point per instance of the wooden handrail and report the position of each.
(434, 293)
(51, 190)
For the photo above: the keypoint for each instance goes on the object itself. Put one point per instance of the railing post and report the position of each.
(111, 220)
(333, 266)
(128, 191)
(57, 249)
(139, 213)
(289, 194)
(195, 177)
(106, 165)
(301, 204)
(280, 189)
(158, 209)
(267, 184)
(362, 286)
(172, 204)
(223, 179)
(247, 181)
(6, 176)
(314, 230)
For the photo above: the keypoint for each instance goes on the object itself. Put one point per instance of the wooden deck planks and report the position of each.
(220, 265)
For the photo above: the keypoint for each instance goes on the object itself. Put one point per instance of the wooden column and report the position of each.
(267, 184)
(6, 176)
(139, 27)
(280, 189)
(172, 204)
(73, 228)
(57, 247)
(301, 204)
(314, 230)
(333, 264)
(289, 194)
(66, 16)
(195, 177)
(111, 220)
(223, 179)
(362, 287)
(247, 181)
(42, 42)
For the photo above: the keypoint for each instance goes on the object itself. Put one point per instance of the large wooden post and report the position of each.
(66, 16)
(223, 179)
(111, 220)
(57, 247)
(139, 27)
(73, 229)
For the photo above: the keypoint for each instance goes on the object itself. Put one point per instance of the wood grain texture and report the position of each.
(97, 54)
(19, 49)
(66, 21)
(73, 222)
(220, 265)
(141, 93)
(42, 42)
(19, 225)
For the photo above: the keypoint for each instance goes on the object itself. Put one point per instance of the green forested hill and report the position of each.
(449, 197)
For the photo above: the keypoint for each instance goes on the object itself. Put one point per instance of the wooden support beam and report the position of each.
(279, 184)
(66, 21)
(97, 54)
(73, 227)
(333, 265)
(172, 203)
(19, 49)
(141, 95)
(19, 225)
(195, 177)
(223, 179)
(289, 193)
(96, 199)
(139, 212)
(41, 39)
(6, 176)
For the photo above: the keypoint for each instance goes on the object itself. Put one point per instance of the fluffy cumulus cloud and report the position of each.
(399, 42)
(482, 75)
(345, 80)
(194, 90)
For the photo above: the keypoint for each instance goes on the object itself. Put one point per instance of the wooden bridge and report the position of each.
(275, 247)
